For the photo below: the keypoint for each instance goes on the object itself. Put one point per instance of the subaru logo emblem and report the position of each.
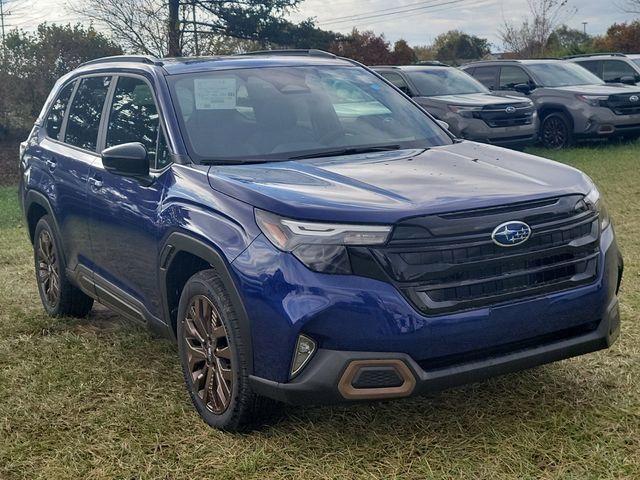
(634, 98)
(510, 234)
(510, 109)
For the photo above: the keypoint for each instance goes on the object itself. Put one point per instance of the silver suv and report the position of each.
(572, 102)
(611, 67)
(468, 107)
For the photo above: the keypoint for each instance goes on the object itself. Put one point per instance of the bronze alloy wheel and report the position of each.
(48, 268)
(208, 354)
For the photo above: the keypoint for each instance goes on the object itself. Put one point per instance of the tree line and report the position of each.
(30, 62)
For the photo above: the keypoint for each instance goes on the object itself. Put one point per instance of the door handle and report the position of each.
(96, 183)
(51, 163)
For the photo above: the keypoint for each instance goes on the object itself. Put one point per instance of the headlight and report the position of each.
(320, 246)
(464, 110)
(593, 100)
(595, 201)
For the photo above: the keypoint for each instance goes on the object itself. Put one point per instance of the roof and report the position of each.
(178, 65)
(527, 61)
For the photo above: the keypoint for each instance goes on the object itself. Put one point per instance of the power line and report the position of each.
(388, 14)
(354, 15)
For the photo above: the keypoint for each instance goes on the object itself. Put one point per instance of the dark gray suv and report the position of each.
(611, 67)
(572, 102)
(469, 108)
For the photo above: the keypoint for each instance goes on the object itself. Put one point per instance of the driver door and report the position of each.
(124, 210)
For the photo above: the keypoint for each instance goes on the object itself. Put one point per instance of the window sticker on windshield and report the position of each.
(215, 93)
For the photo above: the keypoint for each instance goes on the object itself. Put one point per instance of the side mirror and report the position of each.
(127, 159)
(443, 124)
(628, 80)
(523, 88)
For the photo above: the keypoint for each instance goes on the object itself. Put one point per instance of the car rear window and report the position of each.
(57, 111)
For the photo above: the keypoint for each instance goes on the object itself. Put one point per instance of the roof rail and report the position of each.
(431, 63)
(147, 59)
(303, 51)
(601, 54)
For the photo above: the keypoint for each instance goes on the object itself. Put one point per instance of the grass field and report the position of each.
(102, 398)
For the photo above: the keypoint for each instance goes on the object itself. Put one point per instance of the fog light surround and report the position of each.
(305, 348)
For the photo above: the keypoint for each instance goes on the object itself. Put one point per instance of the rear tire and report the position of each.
(556, 132)
(214, 356)
(59, 297)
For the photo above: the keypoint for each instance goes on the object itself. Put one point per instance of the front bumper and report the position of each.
(478, 131)
(355, 318)
(600, 122)
(325, 378)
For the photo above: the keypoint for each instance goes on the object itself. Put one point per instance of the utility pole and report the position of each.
(584, 27)
(195, 29)
(2, 22)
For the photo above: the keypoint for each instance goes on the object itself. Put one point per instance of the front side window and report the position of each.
(58, 109)
(134, 117)
(486, 76)
(615, 71)
(562, 74)
(85, 113)
(277, 113)
(512, 76)
(439, 81)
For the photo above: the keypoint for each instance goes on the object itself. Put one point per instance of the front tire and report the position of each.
(59, 297)
(555, 131)
(214, 356)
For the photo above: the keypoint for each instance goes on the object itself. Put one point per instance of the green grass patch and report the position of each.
(102, 398)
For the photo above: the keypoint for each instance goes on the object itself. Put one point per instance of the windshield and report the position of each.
(445, 81)
(562, 74)
(278, 113)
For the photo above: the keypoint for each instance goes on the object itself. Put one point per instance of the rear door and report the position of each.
(124, 211)
(68, 150)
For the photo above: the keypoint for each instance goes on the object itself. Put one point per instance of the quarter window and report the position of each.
(134, 118)
(512, 76)
(86, 111)
(594, 66)
(56, 114)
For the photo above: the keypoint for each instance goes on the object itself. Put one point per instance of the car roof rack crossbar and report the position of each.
(601, 54)
(146, 59)
(302, 51)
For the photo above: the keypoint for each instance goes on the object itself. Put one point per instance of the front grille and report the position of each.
(622, 105)
(499, 117)
(446, 263)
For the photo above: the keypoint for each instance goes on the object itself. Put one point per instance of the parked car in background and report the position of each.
(611, 67)
(307, 233)
(572, 102)
(468, 107)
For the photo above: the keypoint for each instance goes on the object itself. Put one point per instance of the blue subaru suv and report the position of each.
(307, 233)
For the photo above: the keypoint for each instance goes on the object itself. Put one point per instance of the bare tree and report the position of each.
(170, 27)
(629, 6)
(531, 37)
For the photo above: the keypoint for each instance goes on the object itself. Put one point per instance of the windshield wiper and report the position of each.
(346, 151)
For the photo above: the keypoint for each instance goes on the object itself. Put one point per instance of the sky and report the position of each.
(418, 22)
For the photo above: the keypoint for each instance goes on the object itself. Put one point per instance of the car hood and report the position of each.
(600, 89)
(385, 187)
(476, 99)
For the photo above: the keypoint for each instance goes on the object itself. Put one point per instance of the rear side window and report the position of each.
(397, 80)
(85, 112)
(486, 76)
(615, 70)
(134, 116)
(512, 76)
(594, 66)
(56, 113)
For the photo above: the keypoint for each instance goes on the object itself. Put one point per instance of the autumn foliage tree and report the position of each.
(371, 49)
(620, 37)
